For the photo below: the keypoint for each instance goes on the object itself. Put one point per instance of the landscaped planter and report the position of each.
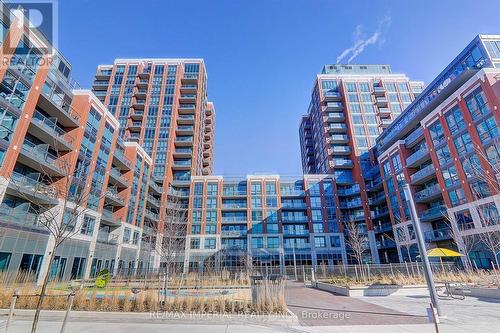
(373, 290)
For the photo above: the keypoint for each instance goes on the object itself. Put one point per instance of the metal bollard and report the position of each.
(11, 311)
(68, 310)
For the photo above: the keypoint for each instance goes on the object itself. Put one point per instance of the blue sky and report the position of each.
(262, 55)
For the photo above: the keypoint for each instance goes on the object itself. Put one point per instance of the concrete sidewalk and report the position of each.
(320, 308)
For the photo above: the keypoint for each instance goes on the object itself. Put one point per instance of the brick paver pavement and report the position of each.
(320, 308)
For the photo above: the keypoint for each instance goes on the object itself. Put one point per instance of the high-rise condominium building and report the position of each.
(118, 161)
(350, 106)
(262, 220)
(446, 145)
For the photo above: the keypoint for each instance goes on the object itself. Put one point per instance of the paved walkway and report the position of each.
(320, 308)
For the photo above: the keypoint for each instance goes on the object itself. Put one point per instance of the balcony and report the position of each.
(379, 91)
(233, 233)
(433, 214)
(114, 198)
(384, 123)
(438, 235)
(39, 158)
(155, 187)
(339, 138)
(332, 96)
(234, 193)
(353, 190)
(234, 219)
(381, 101)
(142, 83)
(430, 193)
(293, 205)
(100, 85)
(417, 158)
(141, 93)
(182, 141)
(120, 160)
(234, 206)
(29, 186)
(152, 215)
(415, 137)
(117, 178)
(351, 204)
(341, 163)
(183, 152)
(153, 201)
(374, 185)
(334, 106)
(46, 129)
(380, 213)
(385, 227)
(187, 98)
(423, 175)
(135, 137)
(354, 217)
(181, 165)
(299, 233)
(188, 109)
(107, 218)
(344, 181)
(386, 243)
(337, 128)
(138, 104)
(135, 125)
(185, 119)
(294, 219)
(189, 88)
(334, 117)
(137, 114)
(184, 130)
(145, 74)
(21, 217)
(55, 105)
(102, 74)
(292, 193)
(339, 150)
(378, 199)
(189, 77)
(384, 112)
(107, 238)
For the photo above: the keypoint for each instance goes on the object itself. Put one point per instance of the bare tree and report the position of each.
(57, 201)
(465, 243)
(356, 241)
(172, 232)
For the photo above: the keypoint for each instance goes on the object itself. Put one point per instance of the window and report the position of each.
(4, 260)
(487, 129)
(443, 155)
(256, 203)
(464, 220)
(318, 227)
(257, 243)
(195, 243)
(270, 189)
(463, 144)
(436, 131)
(396, 162)
(455, 119)
(211, 216)
(271, 202)
(256, 189)
(335, 241)
(480, 190)
(273, 242)
(315, 202)
(476, 103)
(212, 189)
(88, 225)
(211, 203)
(450, 176)
(135, 239)
(126, 235)
(319, 241)
(210, 229)
(488, 214)
(317, 215)
(196, 229)
(457, 197)
(210, 243)
(256, 215)
(272, 228)
(198, 188)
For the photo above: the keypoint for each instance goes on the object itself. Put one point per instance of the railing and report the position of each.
(233, 233)
(120, 155)
(189, 86)
(187, 106)
(20, 217)
(286, 218)
(386, 243)
(152, 215)
(341, 149)
(382, 228)
(34, 185)
(51, 126)
(337, 127)
(188, 96)
(117, 175)
(433, 212)
(190, 76)
(332, 94)
(113, 194)
(185, 128)
(154, 200)
(334, 105)
(234, 205)
(292, 232)
(414, 136)
(380, 212)
(184, 139)
(107, 237)
(427, 192)
(378, 198)
(234, 192)
(234, 219)
(417, 155)
(60, 103)
(438, 234)
(351, 204)
(41, 153)
(422, 173)
(349, 191)
(301, 205)
(156, 187)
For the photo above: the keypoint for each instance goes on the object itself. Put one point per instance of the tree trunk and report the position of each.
(42, 291)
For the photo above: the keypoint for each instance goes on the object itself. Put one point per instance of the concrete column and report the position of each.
(373, 247)
(57, 212)
(90, 256)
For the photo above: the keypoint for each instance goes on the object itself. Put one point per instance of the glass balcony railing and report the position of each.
(437, 234)
(231, 192)
(20, 216)
(419, 155)
(292, 232)
(349, 191)
(423, 173)
(234, 205)
(294, 205)
(50, 125)
(106, 237)
(428, 192)
(235, 219)
(289, 218)
(31, 183)
(433, 213)
(41, 154)
(292, 192)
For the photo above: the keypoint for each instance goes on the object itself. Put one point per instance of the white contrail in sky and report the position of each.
(361, 43)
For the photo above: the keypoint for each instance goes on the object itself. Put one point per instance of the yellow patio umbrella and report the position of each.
(442, 252)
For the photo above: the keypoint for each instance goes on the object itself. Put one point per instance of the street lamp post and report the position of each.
(421, 248)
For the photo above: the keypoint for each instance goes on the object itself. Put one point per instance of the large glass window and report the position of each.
(455, 119)
(477, 104)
